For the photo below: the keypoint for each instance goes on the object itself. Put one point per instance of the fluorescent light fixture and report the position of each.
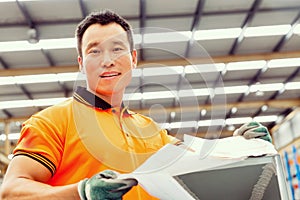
(159, 95)
(285, 62)
(216, 34)
(194, 92)
(292, 86)
(238, 120)
(137, 38)
(137, 72)
(183, 36)
(266, 87)
(62, 43)
(209, 122)
(203, 68)
(232, 89)
(269, 118)
(260, 31)
(185, 124)
(160, 71)
(245, 65)
(297, 29)
(132, 96)
(30, 103)
(11, 136)
(8, 80)
(70, 76)
(41, 78)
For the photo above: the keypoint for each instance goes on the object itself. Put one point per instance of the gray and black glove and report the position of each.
(105, 186)
(253, 130)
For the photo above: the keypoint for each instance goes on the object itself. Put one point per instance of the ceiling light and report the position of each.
(11, 136)
(245, 65)
(297, 29)
(184, 124)
(165, 37)
(203, 112)
(30, 103)
(215, 34)
(135, 96)
(42, 78)
(264, 108)
(32, 36)
(285, 62)
(292, 86)
(232, 89)
(269, 118)
(160, 71)
(62, 43)
(267, 30)
(204, 68)
(238, 120)
(230, 128)
(266, 87)
(211, 122)
(233, 110)
(172, 114)
(159, 95)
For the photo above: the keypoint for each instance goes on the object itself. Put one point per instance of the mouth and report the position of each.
(109, 74)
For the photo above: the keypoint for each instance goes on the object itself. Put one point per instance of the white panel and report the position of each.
(176, 24)
(22, 59)
(217, 5)
(274, 18)
(10, 13)
(296, 124)
(279, 3)
(258, 44)
(155, 7)
(57, 31)
(124, 8)
(53, 10)
(217, 21)
(13, 33)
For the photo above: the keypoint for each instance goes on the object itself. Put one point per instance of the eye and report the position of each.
(118, 49)
(94, 51)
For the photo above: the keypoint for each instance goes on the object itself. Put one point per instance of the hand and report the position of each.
(253, 130)
(104, 186)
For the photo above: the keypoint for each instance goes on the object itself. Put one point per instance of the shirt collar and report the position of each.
(84, 96)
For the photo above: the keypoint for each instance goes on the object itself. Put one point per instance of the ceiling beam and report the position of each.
(286, 37)
(195, 24)
(246, 23)
(172, 62)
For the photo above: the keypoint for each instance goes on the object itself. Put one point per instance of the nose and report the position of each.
(107, 60)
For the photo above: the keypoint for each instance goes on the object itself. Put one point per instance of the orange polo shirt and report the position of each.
(84, 135)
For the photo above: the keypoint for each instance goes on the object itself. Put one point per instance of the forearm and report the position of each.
(23, 189)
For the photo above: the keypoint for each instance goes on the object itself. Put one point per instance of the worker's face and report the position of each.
(106, 59)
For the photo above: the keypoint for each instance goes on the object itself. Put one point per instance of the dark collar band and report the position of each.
(84, 96)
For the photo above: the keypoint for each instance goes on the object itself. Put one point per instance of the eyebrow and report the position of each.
(93, 44)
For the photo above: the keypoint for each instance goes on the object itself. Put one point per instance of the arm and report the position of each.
(25, 179)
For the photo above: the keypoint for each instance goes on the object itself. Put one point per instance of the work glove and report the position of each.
(105, 186)
(253, 130)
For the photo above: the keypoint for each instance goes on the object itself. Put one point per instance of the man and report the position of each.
(75, 150)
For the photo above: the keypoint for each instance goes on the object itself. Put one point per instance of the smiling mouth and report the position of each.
(109, 75)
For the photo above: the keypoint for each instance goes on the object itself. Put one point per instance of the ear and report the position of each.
(134, 58)
(81, 68)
